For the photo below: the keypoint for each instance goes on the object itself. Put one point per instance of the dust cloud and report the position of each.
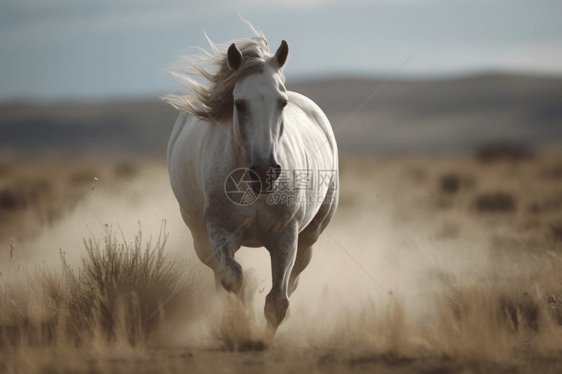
(366, 256)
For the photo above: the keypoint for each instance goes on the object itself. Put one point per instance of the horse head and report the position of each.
(259, 102)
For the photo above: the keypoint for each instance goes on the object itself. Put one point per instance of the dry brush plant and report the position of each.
(501, 319)
(116, 297)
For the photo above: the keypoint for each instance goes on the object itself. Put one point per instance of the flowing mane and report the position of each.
(213, 101)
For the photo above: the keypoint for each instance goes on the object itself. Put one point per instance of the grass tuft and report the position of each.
(496, 202)
(117, 296)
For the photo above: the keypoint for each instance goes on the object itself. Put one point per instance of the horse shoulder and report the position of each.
(317, 116)
(183, 118)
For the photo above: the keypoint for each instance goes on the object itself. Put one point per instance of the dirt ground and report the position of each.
(432, 264)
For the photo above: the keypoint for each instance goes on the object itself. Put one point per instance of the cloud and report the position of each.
(34, 20)
(72, 22)
(543, 58)
(98, 48)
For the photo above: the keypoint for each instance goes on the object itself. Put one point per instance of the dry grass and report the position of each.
(113, 301)
(499, 322)
(503, 315)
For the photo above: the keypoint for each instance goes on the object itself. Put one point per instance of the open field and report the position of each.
(432, 264)
(449, 115)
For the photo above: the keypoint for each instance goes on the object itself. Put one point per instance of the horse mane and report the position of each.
(213, 101)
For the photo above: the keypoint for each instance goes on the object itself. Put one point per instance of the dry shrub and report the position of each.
(509, 315)
(24, 193)
(9, 201)
(556, 231)
(116, 297)
(29, 200)
(510, 308)
(495, 202)
(388, 335)
(450, 183)
(503, 151)
(553, 173)
(498, 323)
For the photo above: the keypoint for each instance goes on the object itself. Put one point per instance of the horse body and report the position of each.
(275, 134)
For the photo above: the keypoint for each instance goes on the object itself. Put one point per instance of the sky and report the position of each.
(106, 49)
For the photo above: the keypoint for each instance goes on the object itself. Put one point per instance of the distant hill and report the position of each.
(125, 127)
(441, 115)
(453, 115)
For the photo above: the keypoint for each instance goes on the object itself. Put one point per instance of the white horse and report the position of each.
(251, 164)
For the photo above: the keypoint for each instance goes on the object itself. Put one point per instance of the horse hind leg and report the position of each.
(306, 240)
(304, 255)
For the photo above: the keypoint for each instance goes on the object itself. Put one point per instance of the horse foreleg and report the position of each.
(282, 249)
(224, 243)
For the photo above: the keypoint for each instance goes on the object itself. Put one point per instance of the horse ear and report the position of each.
(282, 54)
(234, 57)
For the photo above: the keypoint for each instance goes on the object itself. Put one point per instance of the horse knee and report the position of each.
(231, 277)
(275, 309)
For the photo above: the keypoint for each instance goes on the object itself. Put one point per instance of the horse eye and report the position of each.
(284, 103)
(240, 105)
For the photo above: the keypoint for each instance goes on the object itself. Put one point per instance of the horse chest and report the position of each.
(257, 222)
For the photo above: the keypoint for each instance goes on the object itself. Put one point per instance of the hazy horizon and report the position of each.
(376, 79)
